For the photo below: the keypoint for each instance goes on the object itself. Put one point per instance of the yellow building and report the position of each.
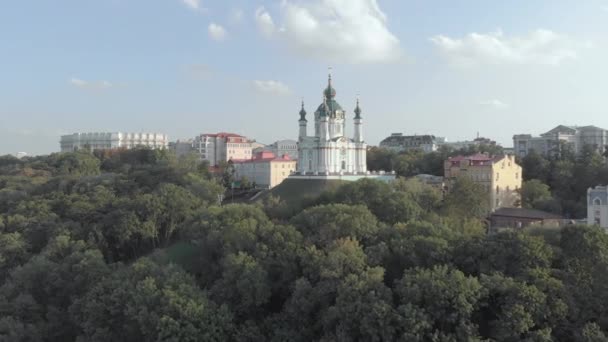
(499, 176)
(265, 169)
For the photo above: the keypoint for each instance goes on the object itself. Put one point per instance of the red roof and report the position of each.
(264, 156)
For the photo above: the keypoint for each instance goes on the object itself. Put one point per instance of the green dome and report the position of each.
(332, 107)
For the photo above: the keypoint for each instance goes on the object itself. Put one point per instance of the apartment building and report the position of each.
(265, 169)
(572, 137)
(500, 177)
(223, 146)
(112, 140)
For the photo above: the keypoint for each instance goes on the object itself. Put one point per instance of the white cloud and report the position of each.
(605, 8)
(543, 47)
(495, 103)
(217, 32)
(193, 4)
(264, 22)
(80, 83)
(271, 87)
(352, 31)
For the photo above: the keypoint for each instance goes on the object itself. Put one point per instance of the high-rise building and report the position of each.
(500, 177)
(551, 142)
(223, 146)
(329, 151)
(112, 140)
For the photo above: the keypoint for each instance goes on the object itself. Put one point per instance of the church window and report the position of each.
(597, 201)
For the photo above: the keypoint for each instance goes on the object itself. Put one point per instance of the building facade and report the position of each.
(280, 147)
(182, 147)
(399, 143)
(572, 137)
(329, 151)
(597, 206)
(265, 169)
(500, 177)
(219, 147)
(112, 140)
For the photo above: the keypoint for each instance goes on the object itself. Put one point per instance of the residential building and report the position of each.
(399, 143)
(182, 147)
(265, 169)
(223, 146)
(466, 144)
(551, 142)
(597, 206)
(521, 218)
(500, 177)
(329, 151)
(112, 140)
(280, 147)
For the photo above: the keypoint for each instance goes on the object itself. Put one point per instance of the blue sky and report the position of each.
(184, 67)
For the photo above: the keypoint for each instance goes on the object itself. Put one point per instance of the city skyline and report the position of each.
(185, 67)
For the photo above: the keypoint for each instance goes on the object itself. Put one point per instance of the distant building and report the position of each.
(112, 140)
(400, 143)
(20, 155)
(466, 144)
(522, 218)
(500, 177)
(265, 169)
(182, 147)
(223, 146)
(573, 137)
(597, 206)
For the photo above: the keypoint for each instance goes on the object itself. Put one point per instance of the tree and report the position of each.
(533, 192)
(445, 298)
(325, 224)
(466, 199)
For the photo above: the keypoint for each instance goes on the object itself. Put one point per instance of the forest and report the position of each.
(134, 246)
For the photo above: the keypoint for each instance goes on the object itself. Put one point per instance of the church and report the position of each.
(329, 151)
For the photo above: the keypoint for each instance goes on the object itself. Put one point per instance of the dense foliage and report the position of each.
(132, 246)
(557, 183)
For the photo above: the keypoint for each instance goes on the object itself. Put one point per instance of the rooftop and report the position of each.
(525, 213)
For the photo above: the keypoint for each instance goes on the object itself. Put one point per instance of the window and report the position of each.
(497, 202)
(497, 190)
(516, 175)
(497, 175)
(597, 201)
(508, 189)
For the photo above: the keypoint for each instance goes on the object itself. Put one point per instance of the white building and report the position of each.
(265, 169)
(399, 143)
(280, 147)
(112, 140)
(572, 136)
(223, 146)
(597, 206)
(329, 151)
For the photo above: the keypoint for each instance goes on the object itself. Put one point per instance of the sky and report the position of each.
(186, 67)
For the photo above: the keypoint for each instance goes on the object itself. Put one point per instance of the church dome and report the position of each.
(329, 105)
